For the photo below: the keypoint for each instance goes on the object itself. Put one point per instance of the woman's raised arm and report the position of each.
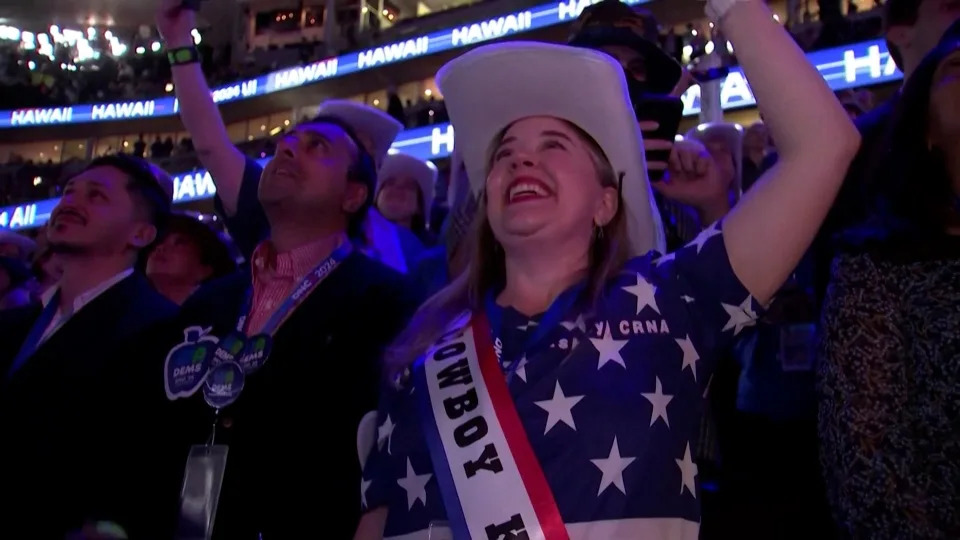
(770, 229)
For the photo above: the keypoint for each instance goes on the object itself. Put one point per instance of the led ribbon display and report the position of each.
(870, 63)
(852, 66)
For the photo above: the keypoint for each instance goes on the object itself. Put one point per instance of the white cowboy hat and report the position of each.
(370, 123)
(732, 135)
(398, 165)
(490, 87)
(26, 245)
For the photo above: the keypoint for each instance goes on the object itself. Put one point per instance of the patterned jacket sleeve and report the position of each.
(860, 383)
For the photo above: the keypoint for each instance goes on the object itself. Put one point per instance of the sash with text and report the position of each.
(491, 481)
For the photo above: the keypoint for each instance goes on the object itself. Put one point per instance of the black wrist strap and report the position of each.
(183, 55)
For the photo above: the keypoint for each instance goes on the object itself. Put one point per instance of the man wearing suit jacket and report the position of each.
(71, 438)
(292, 467)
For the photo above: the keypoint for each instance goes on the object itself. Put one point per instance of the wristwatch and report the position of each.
(716, 9)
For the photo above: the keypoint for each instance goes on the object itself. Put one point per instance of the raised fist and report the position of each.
(176, 24)
(692, 176)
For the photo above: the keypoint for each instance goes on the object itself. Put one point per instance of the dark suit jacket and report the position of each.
(292, 467)
(73, 432)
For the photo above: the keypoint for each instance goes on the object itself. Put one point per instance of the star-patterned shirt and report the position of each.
(611, 407)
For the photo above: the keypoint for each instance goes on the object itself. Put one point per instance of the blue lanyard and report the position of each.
(299, 293)
(32, 341)
(550, 320)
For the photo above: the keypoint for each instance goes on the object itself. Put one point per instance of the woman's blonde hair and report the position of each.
(487, 270)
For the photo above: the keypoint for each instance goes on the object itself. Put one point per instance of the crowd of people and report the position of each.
(602, 332)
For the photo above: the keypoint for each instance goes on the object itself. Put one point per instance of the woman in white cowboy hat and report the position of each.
(554, 388)
(405, 187)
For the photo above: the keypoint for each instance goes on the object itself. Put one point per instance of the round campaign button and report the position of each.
(255, 353)
(228, 348)
(186, 367)
(223, 385)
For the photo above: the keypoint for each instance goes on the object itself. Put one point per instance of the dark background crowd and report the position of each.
(29, 79)
(141, 76)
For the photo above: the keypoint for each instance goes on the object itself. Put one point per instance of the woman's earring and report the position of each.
(599, 233)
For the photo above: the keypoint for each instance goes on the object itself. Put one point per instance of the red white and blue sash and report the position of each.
(491, 481)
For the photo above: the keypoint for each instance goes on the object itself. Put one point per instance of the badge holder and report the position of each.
(439, 530)
(206, 463)
(200, 493)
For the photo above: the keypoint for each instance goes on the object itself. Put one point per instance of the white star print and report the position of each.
(415, 485)
(688, 473)
(659, 400)
(690, 355)
(645, 293)
(612, 469)
(527, 326)
(665, 259)
(579, 324)
(521, 370)
(704, 236)
(740, 316)
(364, 485)
(385, 434)
(608, 348)
(559, 409)
(687, 299)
